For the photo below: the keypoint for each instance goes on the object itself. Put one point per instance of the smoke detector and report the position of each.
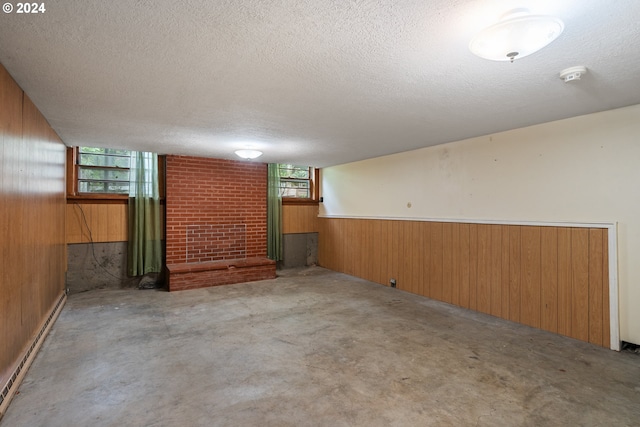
(573, 73)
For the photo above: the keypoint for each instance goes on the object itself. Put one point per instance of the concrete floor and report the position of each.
(312, 348)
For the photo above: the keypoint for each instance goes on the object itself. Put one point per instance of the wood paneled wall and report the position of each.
(299, 219)
(108, 221)
(105, 222)
(32, 222)
(552, 278)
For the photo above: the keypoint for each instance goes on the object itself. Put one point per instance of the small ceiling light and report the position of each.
(248, 154)
(516, 35)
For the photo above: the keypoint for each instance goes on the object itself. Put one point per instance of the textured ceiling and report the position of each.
(308, 81)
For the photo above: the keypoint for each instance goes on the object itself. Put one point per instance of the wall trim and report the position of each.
(479, 221)
(612, 235)
(614, 326)
(10, 388)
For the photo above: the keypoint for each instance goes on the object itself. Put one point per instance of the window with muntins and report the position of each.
(103, 170)
(295, 181)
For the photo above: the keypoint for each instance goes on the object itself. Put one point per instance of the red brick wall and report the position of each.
(214, 194)
(216, 242)
(203, 279)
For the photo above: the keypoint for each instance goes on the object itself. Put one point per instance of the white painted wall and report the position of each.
(583, 169)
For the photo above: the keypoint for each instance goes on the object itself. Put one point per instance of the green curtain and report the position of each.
(144, 254)
(274, 214)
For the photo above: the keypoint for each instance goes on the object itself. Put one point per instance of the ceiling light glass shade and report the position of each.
(518, 34)
(248, 154)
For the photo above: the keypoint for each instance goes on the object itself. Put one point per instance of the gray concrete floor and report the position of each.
(312, 348)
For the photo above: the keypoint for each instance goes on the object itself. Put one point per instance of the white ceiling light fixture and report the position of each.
(248, 154)
(516, 35)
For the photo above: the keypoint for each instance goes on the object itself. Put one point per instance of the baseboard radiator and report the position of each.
(9, 389)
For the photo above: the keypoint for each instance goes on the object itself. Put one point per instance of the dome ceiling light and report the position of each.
(516, 35)
(248, 154)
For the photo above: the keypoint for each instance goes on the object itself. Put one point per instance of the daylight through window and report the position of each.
(295, 181)
(103, 170)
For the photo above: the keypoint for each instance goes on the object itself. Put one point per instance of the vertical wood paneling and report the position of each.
(325, 237)
(340, 246)
(504, 275)
(106, 222)
(554, 278)
(455, 264)
(352, 262)
(73, 225)
(462, 268)
(360, 248)
(349, 254)
(366, 253)
(376, 259)
(388, 232)
(596, 291)
(299, 219)
(530, 275)
(484, 269)
(549, 284)
(496, 270)
(102, 228)
(329, 242)
(119, 222)
(340, 256)
(447, 262)
(473, 266)
(32, 222)
(405, 276)
(364, 250)
(564, 281)
(435, 267)
(426, 259)
(344, 248)
(580, 283)
(396, 245)
(514, 273)
(417, 250)
(12, 337)
(384, 253)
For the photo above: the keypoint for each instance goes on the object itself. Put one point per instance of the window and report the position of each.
(295, 181)
(103, 170)
(98, 173)
(102, 174)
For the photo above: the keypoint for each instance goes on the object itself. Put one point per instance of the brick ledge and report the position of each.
(195, 267)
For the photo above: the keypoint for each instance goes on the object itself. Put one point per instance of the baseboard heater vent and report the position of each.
(14, 381)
